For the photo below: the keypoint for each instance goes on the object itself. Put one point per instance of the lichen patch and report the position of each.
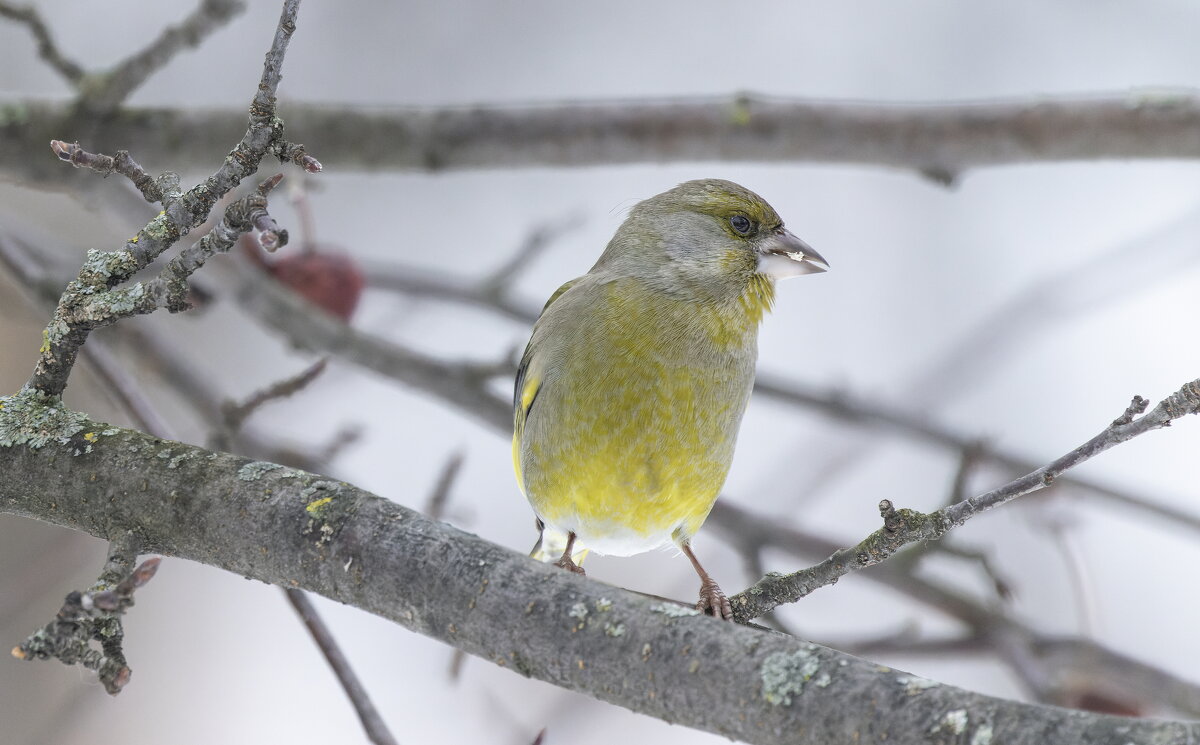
(33, 419)
(952, 721)
(674, 611)
(256, 470)
(784, 675)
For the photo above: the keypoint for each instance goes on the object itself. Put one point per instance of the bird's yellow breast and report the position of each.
(633, 412)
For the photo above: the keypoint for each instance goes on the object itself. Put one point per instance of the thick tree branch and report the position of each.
(740, 528)
(354, 547)
(940, 140)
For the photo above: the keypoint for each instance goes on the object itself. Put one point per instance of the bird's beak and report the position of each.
(783, 255)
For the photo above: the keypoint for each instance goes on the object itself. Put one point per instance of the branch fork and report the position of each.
(95, 616)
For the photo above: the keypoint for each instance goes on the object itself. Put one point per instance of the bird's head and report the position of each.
(707, 238)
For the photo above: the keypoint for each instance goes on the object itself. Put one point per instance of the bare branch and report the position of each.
(236, 414)
(909, 526)
(377, 731)
(435, 509)
(95, 616)
(436, 504)
(537, 241)
(941, 140)
(89, 302)
(1048, 677)
(166, 186)
(417, 282)
(331, 538)
(128, 392)
(107, 91)
(845, 407)
(461, 385)
(47, 49)
(905, 642)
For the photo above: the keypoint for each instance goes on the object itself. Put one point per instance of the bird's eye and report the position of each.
(741, 224)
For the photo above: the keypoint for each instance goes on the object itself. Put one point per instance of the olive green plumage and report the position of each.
(631, 390)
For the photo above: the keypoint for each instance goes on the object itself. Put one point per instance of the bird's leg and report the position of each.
(712, 600)
(565, 562)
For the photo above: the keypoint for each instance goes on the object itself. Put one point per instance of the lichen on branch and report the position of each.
(94, 299)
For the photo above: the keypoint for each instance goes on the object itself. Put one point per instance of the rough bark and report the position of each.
(297, 529)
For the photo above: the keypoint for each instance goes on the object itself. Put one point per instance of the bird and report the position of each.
(630, 393)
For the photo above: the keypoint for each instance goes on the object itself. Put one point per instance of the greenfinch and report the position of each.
(631, 390)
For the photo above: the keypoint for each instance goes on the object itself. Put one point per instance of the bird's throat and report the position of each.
(758, 297)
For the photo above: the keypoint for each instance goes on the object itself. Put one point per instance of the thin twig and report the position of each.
(438, 498)
(845, 407)
(417, 282)
(493, 291)
(968, 459)
(436, 509)
(112, 88)
(95, 615)
(236, 414)
(311, 328)
(153, 190)
(1016, 644)
(47, 49)
(913, 526)
(1077, 571)
(536, 242)
(128, 393)
(91, 300)
(905, 642)
(372, 722)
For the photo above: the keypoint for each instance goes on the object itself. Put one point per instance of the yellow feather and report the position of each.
(643, 434)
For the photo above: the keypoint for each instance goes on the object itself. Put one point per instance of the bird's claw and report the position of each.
(713, 602)
(566, 563)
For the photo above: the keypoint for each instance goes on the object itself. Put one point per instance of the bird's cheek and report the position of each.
(737, 261)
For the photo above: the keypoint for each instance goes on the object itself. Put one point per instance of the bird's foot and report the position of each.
(566, 563)
(713, 602)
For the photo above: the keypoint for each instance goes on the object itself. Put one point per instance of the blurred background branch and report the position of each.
(940, 141)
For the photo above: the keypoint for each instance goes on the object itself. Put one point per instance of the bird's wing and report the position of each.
(526, 388)
(529, 381)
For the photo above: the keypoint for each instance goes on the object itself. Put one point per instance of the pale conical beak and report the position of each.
(784, 255)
